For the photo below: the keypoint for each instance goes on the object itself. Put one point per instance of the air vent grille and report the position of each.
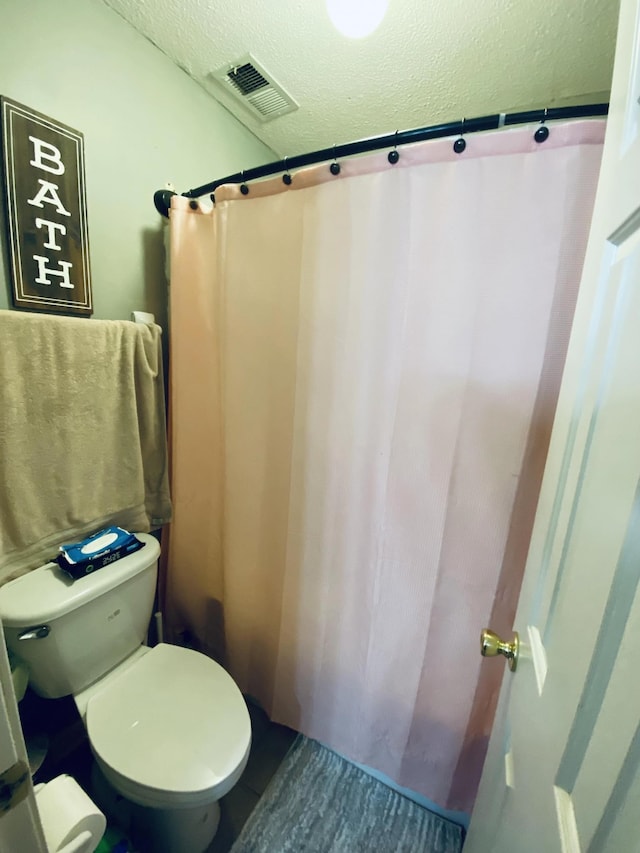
(247, 78)
(246, 82)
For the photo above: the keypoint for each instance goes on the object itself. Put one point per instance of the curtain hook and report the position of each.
(542, 132)
(394, 156)
(286, 178)
(334, 168)
(460, 144)
(244, 189)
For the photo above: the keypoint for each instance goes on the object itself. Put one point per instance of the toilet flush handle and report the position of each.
(38, 633)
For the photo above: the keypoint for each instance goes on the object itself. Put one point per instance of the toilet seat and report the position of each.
(172, 730)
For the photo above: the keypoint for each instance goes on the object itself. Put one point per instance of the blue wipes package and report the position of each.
(99, 550)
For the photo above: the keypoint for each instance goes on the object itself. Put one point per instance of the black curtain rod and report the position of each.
(162, 198)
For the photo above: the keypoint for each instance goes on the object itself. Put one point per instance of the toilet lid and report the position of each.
(174, 721)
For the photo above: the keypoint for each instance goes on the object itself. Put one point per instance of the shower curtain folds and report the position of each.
(364, 371)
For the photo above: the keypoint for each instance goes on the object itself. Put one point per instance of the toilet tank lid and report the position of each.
(47, 593)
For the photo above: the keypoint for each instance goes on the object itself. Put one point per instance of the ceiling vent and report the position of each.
(249, 84)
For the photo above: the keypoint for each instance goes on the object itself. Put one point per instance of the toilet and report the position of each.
(168, 726)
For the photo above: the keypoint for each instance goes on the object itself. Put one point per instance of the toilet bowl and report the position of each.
(168, 726)
(170, 732)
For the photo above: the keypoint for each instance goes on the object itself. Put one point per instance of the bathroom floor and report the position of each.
(69, 752)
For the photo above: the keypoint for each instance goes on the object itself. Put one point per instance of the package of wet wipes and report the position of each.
(98, 550)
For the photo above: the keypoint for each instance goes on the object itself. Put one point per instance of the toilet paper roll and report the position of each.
(66, 812)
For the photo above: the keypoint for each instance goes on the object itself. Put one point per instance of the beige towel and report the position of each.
(82, 433)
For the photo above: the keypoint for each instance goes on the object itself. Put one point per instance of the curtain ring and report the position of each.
(286, 178)
(542, 132)
(334, 168)
(193, 204)
(460, 144)
(394, 156)
(244, 189)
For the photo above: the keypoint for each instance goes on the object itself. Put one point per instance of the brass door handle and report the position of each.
(491, 645)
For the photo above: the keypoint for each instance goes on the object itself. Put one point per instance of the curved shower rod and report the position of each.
(162, 198)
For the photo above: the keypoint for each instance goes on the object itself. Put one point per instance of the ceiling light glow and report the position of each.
(356, 18)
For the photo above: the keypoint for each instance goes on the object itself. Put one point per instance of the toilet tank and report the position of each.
(70, 632)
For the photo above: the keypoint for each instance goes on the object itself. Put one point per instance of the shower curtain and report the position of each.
(364, 370)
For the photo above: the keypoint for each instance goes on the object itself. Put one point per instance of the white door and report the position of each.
(20, 829)
(563, 768)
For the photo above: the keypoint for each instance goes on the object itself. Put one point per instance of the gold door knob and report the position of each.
(491, 645)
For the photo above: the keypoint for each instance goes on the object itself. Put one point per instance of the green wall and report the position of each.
(145, 123)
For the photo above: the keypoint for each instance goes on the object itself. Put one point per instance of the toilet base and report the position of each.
(156, 830)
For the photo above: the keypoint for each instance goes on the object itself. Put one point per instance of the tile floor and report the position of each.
(69, 752)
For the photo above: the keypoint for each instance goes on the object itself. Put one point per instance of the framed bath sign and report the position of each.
(46, 208)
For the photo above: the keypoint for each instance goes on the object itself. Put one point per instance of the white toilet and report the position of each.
(168, 726)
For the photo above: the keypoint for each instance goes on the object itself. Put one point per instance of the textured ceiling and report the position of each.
(430, 61)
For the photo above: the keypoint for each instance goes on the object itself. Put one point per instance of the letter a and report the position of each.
(48, 192)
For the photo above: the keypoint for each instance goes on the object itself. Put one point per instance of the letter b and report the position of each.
(44, 151)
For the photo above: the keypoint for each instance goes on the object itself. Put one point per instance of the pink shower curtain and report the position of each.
(364, 371)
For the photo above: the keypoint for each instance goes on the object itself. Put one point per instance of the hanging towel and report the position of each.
(82, 433)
